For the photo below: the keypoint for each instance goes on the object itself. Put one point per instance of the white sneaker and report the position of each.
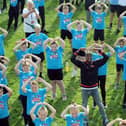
(64, 97)
(74, 73)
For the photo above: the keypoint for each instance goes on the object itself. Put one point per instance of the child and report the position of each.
(78, 37)
(42, 118)
(4, 113)
(23, 45)
(35, 94)
(38, 38)
(98, 20)
(123, 17)
(121, 122)
(65, 19)
(102, 71)
(13, 14)
(2, 37)
(24, 74)
(54, 58)
(75, 118)
(120, 47)
(123, 57)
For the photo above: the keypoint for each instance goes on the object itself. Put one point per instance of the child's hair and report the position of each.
(2, 60)
(25, 63)
(99, 7)
(65, 7)
(43, 108)
(34, 82)
(121, 40)
(53, 43)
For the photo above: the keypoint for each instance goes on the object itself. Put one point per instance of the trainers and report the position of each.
(105, 122)
(117, 31)
(64, 97)
(74, 72)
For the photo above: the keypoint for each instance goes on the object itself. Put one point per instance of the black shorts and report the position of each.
(114, 8)
(66, 33)
(28, 34)
(4, 121)
(98, 35)
(119, 67)
(124, 35)
(40, 55)
(121, 9)
(74, 50)
(55, 74)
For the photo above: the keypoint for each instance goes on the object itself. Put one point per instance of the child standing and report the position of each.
(98, 20)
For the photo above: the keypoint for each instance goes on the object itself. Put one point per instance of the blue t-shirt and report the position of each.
(13, 3)
(3, 79)
(114, 2)
(24, 76)
(102, 71)
(39, 40)
(79, 38)
(119, 50)
(33, 98)
(124, 69)
(98, 20)
(65, 19)
(124, 22)
(36, 3)
(2, 37)
(41, 3)
(20, 53)
(48, 121)
(4, 106)
(78, 121)
(54, 59)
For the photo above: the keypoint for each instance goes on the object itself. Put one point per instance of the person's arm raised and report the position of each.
(4, 31)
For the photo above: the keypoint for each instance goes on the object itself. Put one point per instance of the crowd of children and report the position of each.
(37, 46)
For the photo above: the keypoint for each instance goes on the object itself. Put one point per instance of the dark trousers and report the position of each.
(13, 15)
(23, 100)
(101, 84)
(4, 4)
(30, 122)
(4, 121)
(42, 16)
(21, 4)
(124, 99)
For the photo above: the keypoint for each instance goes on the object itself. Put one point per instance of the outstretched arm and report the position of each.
(61, 41)
(51, 108)
(49, 87)
(58, 8)
(122, 14)
(86, 24)
(7, 88)
(4, 31)
(114, 121)
(110, 48)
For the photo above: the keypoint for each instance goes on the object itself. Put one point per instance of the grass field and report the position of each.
(114, 97)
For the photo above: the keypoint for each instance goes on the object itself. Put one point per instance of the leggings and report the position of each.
(4, 121)
(101, 84)
(124, 99)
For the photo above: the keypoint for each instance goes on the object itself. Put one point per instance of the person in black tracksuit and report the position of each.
(13, 14)
(89, 79)
(4, 5)
(88, 3)
(21, 4)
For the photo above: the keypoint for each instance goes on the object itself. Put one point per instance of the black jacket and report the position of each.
(89, 71)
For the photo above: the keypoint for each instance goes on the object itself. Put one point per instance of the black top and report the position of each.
(89, 70)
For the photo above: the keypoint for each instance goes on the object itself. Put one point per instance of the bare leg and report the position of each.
(53, 88)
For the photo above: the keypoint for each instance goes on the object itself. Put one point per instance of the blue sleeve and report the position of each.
(104, 14)
(29, 37)
(60, 49)
(71, 14)
(67, 117)
(50, 119)
(82, 115)
(116, 48)
(29, 50)
(72, 31)
(6, 97)
(59, 14)
(43, 91)
(2, 36)
(35, 121)
(86, 30)
(93, 13)
(28, 92)
(47, 49)
(124, 18)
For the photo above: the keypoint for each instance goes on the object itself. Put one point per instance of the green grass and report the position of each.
(114, 97)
